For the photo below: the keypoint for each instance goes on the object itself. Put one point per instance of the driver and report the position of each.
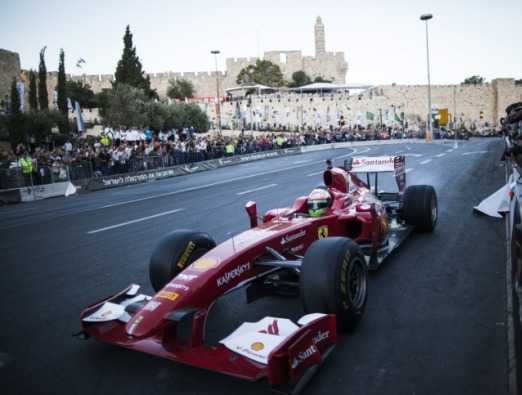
(318, 201)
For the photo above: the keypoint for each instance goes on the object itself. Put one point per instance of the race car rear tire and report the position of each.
(419, 207)
(334, 280)
(174, 252)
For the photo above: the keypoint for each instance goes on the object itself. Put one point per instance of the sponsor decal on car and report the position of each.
(321, 336)
(257, 346)
(295, 236)
(272, 329)
(186, 255)
(203, 264)
(135, 324)
(186, 277)
(303, 356)
(322, 232)
(172, 296)
(152, 305)
(178, 286)
(297, 248)
(237, 271)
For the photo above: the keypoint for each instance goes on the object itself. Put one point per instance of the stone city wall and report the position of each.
(292, 109)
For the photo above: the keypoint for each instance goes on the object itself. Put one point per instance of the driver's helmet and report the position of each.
(318, 201)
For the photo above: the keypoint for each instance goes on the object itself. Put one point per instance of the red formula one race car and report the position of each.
(319, 249)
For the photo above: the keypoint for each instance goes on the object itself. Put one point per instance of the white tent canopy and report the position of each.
(328, 87)
(257, 87)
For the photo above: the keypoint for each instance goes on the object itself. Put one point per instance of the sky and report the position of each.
(384, 41)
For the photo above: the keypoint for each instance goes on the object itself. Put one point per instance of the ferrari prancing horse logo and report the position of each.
(322, 232)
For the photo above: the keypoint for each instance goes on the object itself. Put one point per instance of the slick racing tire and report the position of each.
(419, 207)
(174, 253)
(334, 280)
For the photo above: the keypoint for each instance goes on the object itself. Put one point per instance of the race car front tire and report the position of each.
(419, 207)
(174, 252)
(334, 280)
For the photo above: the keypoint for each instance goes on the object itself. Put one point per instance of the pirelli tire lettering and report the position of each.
(343, 284)
(175, 253)
(186, 255)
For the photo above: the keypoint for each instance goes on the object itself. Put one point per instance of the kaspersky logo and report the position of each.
(295, 236)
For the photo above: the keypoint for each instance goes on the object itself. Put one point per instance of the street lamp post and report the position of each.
(429, 132)
(215, 52)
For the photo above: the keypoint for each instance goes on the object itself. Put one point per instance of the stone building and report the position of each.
(329, 65)
(9, 69)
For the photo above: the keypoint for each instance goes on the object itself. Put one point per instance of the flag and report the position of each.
(20, 87)
(78, 114)
(397, 118)
(370, 116)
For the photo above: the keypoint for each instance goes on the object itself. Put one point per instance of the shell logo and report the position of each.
(257, 346)
(204, 264)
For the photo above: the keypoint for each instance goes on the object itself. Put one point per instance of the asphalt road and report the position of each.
(434, 323)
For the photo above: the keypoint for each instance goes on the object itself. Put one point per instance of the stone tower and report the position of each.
(320, 47)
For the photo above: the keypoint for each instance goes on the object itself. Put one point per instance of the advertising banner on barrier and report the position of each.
(38, 192)
(150, 175)
(133, 178)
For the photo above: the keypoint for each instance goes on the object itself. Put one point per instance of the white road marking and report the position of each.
(134, 221)
(450, 150)
(440, 155)
(256, 189)
(302, 161)
(425, 161)
(352, 153)
(197, 188)
(414, 155)
(475, 152)
(315, 173)
(408, 170)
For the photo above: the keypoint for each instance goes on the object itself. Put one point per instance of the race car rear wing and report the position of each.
(379, 164)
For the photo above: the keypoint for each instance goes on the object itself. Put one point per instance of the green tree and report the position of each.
(321, 79)
(156, 114)
(102, 101)
(299, 78)
(474, 80)
(180, 89)
(82, 93)
(61, 90)
(43, 98)
(15, 99)
(129, 69)
(195, 117)
(263, 72)
(33, 98)
(126, 107)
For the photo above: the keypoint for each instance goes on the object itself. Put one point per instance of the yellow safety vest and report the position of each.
(229, 149)
(280, 141)
(27, 165)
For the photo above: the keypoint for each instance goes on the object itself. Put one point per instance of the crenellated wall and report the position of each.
(292, 109)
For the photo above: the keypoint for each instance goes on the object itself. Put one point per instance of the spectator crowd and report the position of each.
(123, 151)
